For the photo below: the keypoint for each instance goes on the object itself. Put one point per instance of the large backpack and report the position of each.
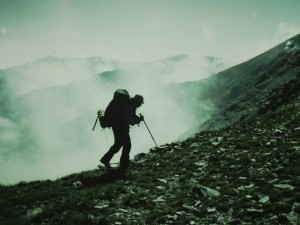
(113, 114)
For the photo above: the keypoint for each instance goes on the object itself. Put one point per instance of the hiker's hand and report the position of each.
(99, 112)
(141, 117)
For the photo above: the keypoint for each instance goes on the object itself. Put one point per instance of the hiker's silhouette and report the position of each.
(123, 118)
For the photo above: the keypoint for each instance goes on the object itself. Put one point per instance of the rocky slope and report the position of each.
(277, 85)
(260, 85)
(246, 173)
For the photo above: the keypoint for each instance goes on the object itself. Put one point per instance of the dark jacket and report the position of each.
(122, 116)
(130, 117)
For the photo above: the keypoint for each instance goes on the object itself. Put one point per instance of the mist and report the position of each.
(54, 102)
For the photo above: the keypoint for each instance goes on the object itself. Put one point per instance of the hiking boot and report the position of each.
(105, 163)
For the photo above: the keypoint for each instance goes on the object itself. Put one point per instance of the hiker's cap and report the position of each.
(138, 99)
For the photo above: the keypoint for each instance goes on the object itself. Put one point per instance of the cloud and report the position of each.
(286, 30)
(3, 30)
(254, 15)
(9, 135)
(207, 32)
(245, 50)
(282, 32)
(59, 116)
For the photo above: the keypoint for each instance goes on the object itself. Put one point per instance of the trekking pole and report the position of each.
(96, 122)
(149, 131)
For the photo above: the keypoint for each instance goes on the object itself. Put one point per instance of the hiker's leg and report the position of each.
(124, 162)
(115, 147)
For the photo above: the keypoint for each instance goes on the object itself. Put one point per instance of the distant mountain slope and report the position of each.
(52, 71)
(264, 83)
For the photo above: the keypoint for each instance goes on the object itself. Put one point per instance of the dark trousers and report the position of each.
(122, 139)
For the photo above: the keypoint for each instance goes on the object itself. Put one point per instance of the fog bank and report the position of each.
(51, 134)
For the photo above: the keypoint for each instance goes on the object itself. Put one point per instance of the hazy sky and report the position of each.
(143, 30)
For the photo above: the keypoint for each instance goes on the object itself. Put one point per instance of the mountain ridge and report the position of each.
(275, 70)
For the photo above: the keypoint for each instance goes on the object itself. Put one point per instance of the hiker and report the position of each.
(126, 116)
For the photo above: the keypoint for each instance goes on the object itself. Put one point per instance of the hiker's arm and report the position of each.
(130, 117)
